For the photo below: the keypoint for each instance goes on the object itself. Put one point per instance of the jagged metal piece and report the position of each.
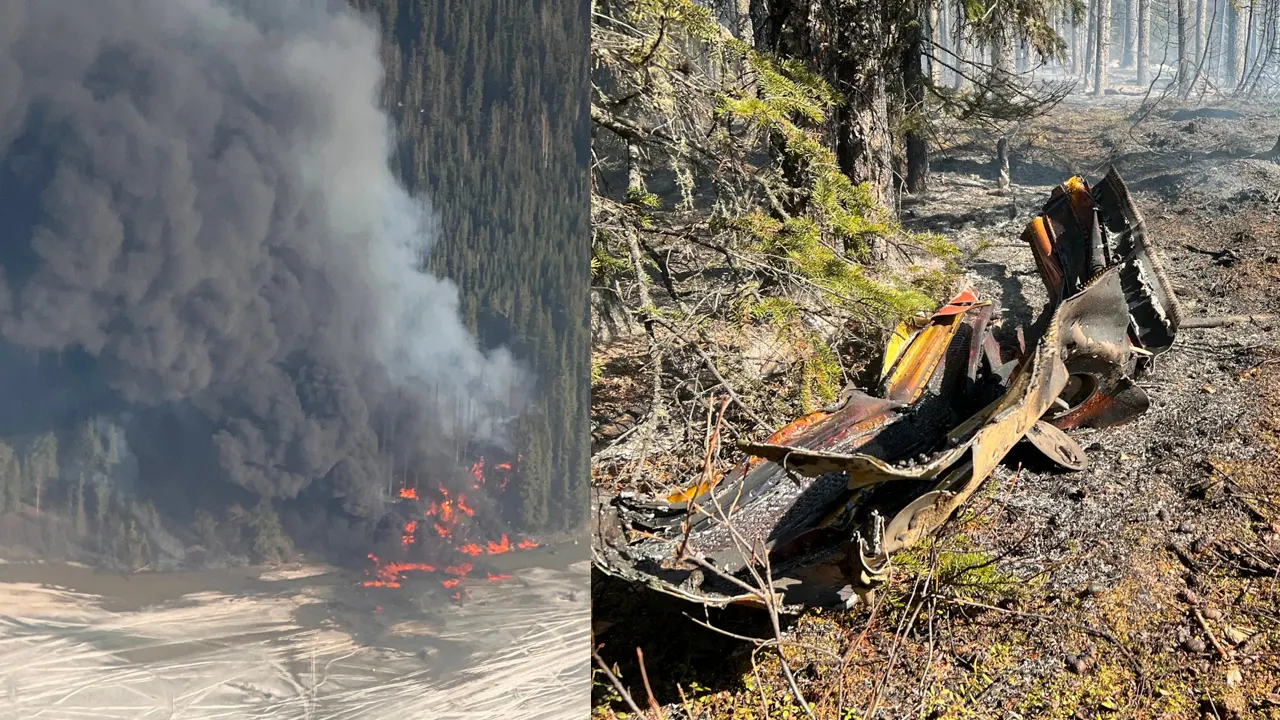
(831, 497)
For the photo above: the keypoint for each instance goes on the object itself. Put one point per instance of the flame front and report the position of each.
(388, 574)
(449, 517)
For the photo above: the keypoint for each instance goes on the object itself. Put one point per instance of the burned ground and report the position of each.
(1143, 586)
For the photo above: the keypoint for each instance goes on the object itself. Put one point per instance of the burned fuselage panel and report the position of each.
(830, 497)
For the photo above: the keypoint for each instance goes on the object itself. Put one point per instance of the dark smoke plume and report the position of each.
(197, 219)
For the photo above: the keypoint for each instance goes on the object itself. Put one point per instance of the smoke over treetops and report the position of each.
(195, 201)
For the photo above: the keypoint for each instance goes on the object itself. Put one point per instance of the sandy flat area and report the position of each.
(299, 644)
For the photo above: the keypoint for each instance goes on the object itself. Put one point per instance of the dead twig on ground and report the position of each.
(648, 690)
(617, 684)
(1216, 321)
(1213, 639)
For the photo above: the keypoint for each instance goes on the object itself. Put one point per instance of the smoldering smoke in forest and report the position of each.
(199, 226)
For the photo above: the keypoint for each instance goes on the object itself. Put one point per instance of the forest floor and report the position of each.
(1146, 585)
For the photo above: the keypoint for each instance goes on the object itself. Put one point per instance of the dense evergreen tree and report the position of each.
(490, 101)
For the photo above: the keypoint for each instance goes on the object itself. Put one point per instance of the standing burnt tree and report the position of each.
(870, 53)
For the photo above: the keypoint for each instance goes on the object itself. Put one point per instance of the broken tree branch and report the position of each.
(1215, 321)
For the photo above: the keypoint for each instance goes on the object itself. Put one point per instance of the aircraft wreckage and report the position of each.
(832, 496)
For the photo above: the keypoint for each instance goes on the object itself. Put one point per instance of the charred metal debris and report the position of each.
(833, 495)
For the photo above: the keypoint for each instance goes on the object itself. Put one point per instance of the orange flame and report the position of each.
(446, 514)
(460, 569)
(499, 548)
(389, 575)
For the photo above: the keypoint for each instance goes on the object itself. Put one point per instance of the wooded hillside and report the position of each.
(489, 100)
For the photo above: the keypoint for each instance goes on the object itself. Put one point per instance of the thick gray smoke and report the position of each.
(195, 194)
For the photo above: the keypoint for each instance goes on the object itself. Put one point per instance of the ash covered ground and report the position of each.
(1143, 586)
(298, 642)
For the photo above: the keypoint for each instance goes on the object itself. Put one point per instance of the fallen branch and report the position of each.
(1213, 640)
(648, 690)
(1215, 321)
(617, 684)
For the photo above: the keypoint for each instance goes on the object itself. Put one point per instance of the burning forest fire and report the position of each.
(449, 518)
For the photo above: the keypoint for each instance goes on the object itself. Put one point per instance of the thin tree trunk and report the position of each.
(1002, 163)
(1251, 37)
(1184, 50)
(1221, 44)
(636, 188)
(1076, 68)
(1199, 28)
(958, 45)
(913, 82)
(1266, 44)
(1259, 22)
(1103, 42)
(1130, 32)
(1091, 49)
(935, 39)
(1206, 47)
(1144, 40)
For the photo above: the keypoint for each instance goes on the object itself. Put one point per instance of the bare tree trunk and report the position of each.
(1266, 43)
(1001, 51)
(745, 30)
(1184, 51)
(935, 39)
(913, 82)
(1199, 28)
(1002, 162)
(864, 148)
(959, 46)
(1222, 44)
(1131, 33)
(1091, 50)
(1239, 32)
(1251, 36)
(1206, 46)
(1144, 40)
(1258, 23)
(636, 188)
(1104, 38)
(1076, 68)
